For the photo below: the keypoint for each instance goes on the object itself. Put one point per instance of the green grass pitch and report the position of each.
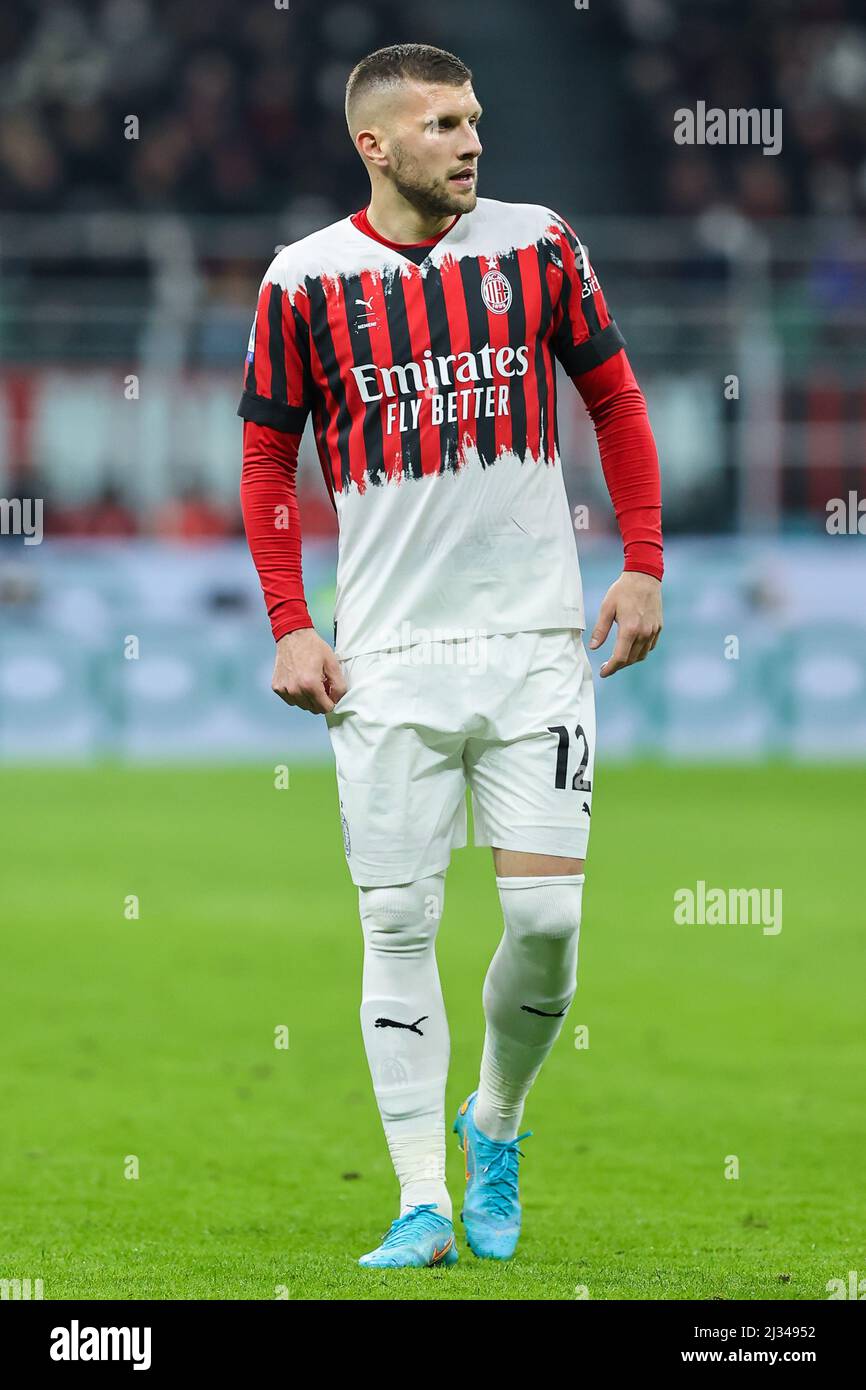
(263, 1172)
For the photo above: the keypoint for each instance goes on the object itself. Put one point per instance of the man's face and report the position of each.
(433, 147)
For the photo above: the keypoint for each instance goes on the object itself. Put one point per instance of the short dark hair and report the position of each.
(401, 62)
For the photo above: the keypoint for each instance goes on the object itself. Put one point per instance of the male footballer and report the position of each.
(422, 334)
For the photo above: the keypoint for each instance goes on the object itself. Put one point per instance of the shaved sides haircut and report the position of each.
(401, 62)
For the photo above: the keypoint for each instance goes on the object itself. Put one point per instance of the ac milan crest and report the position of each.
(496, 292)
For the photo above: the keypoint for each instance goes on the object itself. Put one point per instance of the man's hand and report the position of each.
(635, 602)
(307, 673)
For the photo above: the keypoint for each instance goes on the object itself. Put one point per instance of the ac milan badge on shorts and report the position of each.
(496, 292)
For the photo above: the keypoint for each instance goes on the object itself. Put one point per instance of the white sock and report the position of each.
(529, 986)
(406, 1032)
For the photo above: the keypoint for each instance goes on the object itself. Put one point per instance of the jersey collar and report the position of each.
(361, 222)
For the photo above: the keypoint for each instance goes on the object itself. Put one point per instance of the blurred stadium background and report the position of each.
(129, 272)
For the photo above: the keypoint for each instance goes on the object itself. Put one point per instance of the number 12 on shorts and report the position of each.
(578, 782)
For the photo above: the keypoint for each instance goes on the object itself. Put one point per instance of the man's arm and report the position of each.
(591, 348)
(273, 525)
(306, 671)
(629, 460)
(274, 407)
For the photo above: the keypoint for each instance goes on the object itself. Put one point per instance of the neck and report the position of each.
(397, 220)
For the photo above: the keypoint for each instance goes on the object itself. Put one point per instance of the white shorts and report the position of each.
(510, 715)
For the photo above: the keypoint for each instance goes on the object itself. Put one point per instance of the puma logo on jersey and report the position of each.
(369, 321)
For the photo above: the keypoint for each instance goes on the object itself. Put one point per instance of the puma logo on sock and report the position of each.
(393, 1023)
(528, 1009)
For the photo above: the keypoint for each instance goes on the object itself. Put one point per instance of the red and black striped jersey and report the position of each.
(429, 373)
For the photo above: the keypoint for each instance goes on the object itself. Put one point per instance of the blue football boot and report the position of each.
(419, 1239)
(491, 1207)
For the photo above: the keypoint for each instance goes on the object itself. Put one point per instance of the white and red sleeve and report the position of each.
(591, 348)
(274, 407)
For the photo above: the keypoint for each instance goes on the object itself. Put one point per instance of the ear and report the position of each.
(368, 144)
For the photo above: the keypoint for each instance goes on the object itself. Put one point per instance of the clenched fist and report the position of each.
(307, 672)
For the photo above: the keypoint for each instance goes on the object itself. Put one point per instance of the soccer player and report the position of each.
(422, 334)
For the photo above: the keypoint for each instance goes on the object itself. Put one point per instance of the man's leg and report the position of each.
(532, 798)
(530, 983)
(406, 1033)
(398, 752)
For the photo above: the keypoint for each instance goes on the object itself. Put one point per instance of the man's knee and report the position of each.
(542, 909)
(402, 919)
(540, 946)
